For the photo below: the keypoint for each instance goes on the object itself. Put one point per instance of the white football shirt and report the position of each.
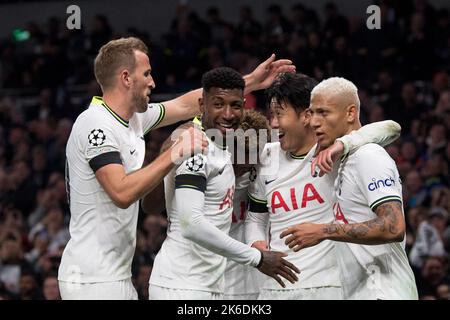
(103, 236)
(289, 195)
(181, 263)
(366, 179)
(241, 279)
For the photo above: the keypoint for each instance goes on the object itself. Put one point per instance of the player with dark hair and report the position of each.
(104, 173)
(199, 203)
(285, 194)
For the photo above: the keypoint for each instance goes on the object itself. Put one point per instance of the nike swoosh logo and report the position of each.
(132, 152)
(142, 138)
(221, 171)
(269, 181)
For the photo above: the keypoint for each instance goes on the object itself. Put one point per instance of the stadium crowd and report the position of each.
(402, 71)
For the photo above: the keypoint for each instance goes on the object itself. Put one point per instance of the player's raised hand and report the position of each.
(323, 162)
(273, 265)
(189, 142)
(303, 235)
(266, 73)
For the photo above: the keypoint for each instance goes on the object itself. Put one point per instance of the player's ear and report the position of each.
(352, 113)
(306, 117)
(201, 105)
(125, 78)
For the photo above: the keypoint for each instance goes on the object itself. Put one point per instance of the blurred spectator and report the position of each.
(402, 71)
(437, 138)
(429, 239)
(29, 289)
(335, 24)
(432, 275)
(414, 194)
(51, 288)
(12, 263)
(50, 233)
(101, 33)
(247, 23)
(443, 292)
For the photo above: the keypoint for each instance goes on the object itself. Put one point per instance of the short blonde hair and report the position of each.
(340, 87)
(116, 54)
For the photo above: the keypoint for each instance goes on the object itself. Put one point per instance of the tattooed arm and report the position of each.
(388, 226)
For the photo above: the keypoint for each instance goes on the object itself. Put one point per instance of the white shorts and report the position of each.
(115, 290)
(319, 293)
(247, 296)
(162, 293)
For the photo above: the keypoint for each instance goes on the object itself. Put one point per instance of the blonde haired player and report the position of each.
(369, 229)
(285, 194)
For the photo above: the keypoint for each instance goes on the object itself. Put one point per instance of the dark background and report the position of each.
(46, 80)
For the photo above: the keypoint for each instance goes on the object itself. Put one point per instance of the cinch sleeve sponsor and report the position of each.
(378, 179)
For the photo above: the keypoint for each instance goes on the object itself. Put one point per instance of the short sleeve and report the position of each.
(99, 143)
(192, 173)
(152, 117)
(378, 177)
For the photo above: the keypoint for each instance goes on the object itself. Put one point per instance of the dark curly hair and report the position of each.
(224, 78)
(292, 88)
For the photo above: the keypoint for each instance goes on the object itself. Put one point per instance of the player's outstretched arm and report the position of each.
(154, 201)
(388, 226)
(125, 189)
(382, 133)
(186, 106)
(195, 227)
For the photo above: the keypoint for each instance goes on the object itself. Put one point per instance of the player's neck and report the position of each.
(118, 103)
(354, 126)
(307, 142)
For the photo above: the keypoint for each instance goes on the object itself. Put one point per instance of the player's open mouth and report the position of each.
(280, 135)
(225, 126)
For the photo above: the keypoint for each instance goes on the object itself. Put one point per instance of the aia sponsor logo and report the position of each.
(309, 194)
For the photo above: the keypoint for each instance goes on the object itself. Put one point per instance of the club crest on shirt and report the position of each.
(97, 137)
(195, 163)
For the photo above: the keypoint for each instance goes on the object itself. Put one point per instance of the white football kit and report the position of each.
(199, 203)
(286, 196)
(368, 178)
(103, 236)
(241, 282)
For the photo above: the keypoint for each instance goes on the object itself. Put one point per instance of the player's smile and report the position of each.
(225, 126)
(223, 109)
